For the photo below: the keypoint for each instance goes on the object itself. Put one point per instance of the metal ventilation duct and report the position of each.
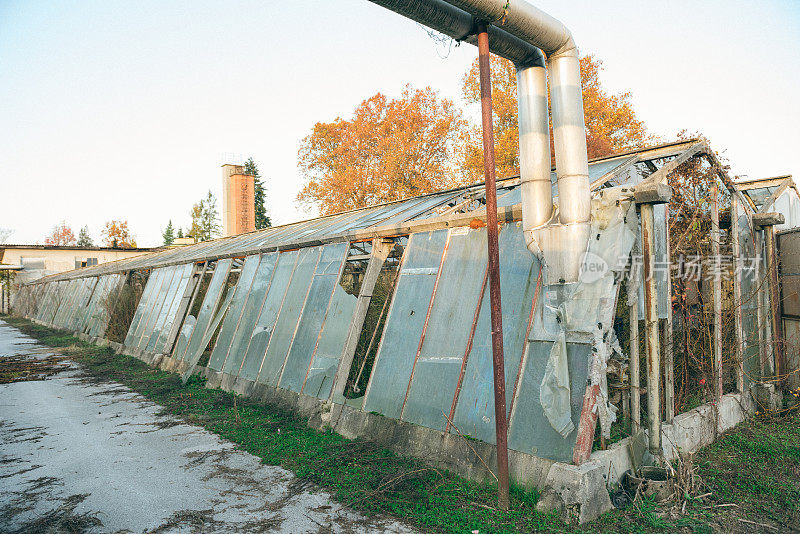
(517, 31)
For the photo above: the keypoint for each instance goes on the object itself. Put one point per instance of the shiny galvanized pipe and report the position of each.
(534, 148)
(461, 26)
(515, 25)
(533, 25)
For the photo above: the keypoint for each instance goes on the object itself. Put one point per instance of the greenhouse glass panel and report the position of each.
(265, 323)
(529, 429)
(412, 211)
(158, 304)
(207, 309)
(234, 313)
(143, 308)
(178, 295)
(69, 309)
(323, 367)
(94, 306)
(173, 292)
(255, 300)
(458, 295)
(286, 324)
(404, 323)
(68, 294)
(309, 328)
(519, 271)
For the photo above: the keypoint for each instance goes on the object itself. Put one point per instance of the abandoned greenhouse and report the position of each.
(375, 322)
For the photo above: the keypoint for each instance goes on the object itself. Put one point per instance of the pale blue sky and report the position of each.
(112, 109)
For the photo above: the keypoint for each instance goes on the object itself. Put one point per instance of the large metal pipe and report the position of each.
(454, 22)
(534, 26)
(534, 148)
(516, 32)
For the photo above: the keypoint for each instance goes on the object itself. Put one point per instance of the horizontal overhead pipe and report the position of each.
(520, 32)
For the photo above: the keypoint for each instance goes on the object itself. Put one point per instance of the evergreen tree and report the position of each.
(262, 219)
(84, 239)
(180, 232)
(168, 234)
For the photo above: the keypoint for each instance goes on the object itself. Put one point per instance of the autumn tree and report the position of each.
(61, 236)
(262, 219)
(388, 150)
(611, 123)
(116, 234)
(168, 234)
(205, 219)
(84, 239)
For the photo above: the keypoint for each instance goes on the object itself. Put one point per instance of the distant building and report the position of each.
(30, 262)
(183, 241)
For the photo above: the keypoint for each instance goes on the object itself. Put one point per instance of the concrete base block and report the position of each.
(578, 492)
(768, 397)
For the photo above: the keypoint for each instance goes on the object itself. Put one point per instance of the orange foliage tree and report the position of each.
(117, 235)
(390, 149)
(611, 123)
(61, 236)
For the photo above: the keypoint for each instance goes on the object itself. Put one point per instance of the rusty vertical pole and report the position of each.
(774, 301)
(651, 331)
(764, 341)
(717, 295)
(501, 424)
(669, 360)
(636, 391)
(740, 346)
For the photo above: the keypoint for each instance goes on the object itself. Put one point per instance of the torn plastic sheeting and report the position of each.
(593, 297)
(588, 306)
(554, 393)
(605, 342)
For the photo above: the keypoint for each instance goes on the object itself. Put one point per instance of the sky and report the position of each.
(126, 110)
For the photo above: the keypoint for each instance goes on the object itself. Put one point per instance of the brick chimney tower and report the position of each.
(238, 201)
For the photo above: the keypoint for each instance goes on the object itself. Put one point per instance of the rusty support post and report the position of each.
(501, 423)
(586, 426)
(636, 392)
(717, 295)
(774, 302)
(740, 345)
(669, 361)
(764, 348)
(651, 331)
